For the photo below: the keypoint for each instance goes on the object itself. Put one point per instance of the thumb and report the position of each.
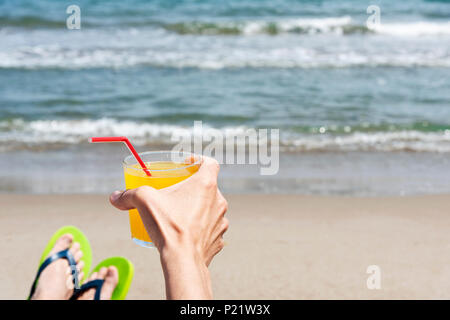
(131, 198)
(122, 200)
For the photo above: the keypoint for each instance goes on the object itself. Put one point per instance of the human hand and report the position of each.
(185, 221)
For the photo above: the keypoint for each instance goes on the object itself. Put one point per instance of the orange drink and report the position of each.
(164, 173)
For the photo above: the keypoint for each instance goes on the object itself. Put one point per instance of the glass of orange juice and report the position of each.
(167, 168)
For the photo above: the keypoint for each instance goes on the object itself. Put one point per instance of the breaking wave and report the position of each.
(20, 134)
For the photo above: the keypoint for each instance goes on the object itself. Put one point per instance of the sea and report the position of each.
(359, 90)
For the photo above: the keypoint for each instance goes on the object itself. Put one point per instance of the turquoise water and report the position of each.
(310, 68)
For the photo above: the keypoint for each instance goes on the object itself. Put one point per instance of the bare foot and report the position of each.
(55, 282)
(111, 277)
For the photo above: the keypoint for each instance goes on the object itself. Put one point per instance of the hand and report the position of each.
(185, 222)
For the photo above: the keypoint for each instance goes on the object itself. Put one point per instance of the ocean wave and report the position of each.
(44, 57)
(20, 134)
(31, 22)
(331, 25)
(255, 46)
(341, 25)
(338, 25)
(375, 141)
(414, 29)
(309, 26)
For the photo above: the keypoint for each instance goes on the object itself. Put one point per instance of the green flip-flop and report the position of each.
(126, 272)
(85, 247)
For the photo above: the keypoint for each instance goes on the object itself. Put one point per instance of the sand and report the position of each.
(278, 246)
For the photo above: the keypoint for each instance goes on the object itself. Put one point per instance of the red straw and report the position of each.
(128, 143)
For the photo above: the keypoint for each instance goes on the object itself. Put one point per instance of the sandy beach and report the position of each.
(278, 246)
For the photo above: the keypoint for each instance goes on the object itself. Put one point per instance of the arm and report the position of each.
(186, 276)
(186, 223)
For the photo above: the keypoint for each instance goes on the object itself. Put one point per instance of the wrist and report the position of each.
(180, 252)
(186, 274)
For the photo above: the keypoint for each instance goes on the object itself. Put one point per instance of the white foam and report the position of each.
(376, 141)
(252, 49)
(42, 132)
(280, 57)
(414, 29)
(334, 25)
(318, 25)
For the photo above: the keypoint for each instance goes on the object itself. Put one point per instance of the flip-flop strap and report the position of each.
(97, 284)
(64, 254)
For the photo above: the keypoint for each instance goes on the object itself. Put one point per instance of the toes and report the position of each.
(89, 294)
(80, 277)
(111, 280)
(75, 251)
(75, 247)
(62, 243)
(69, 273)
(111, 277)
(80, 267)
(77, 256)
(102, 273)
(93, 276)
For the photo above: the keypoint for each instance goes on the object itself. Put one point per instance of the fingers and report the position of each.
(214, 249)
(224, 227)
(191, 159)
(209, 168)
(121, 200)
(223, 203)
(221, 227)
(131, 198)
(221, 208)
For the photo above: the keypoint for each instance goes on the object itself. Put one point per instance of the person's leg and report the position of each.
(54, 281)
(111, 277)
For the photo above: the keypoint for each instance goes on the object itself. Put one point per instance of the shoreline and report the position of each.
(278, 246)
(93, 170)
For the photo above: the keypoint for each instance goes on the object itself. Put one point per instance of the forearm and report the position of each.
(186, 275)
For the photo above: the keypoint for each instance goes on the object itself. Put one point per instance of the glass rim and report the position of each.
(141, 154)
